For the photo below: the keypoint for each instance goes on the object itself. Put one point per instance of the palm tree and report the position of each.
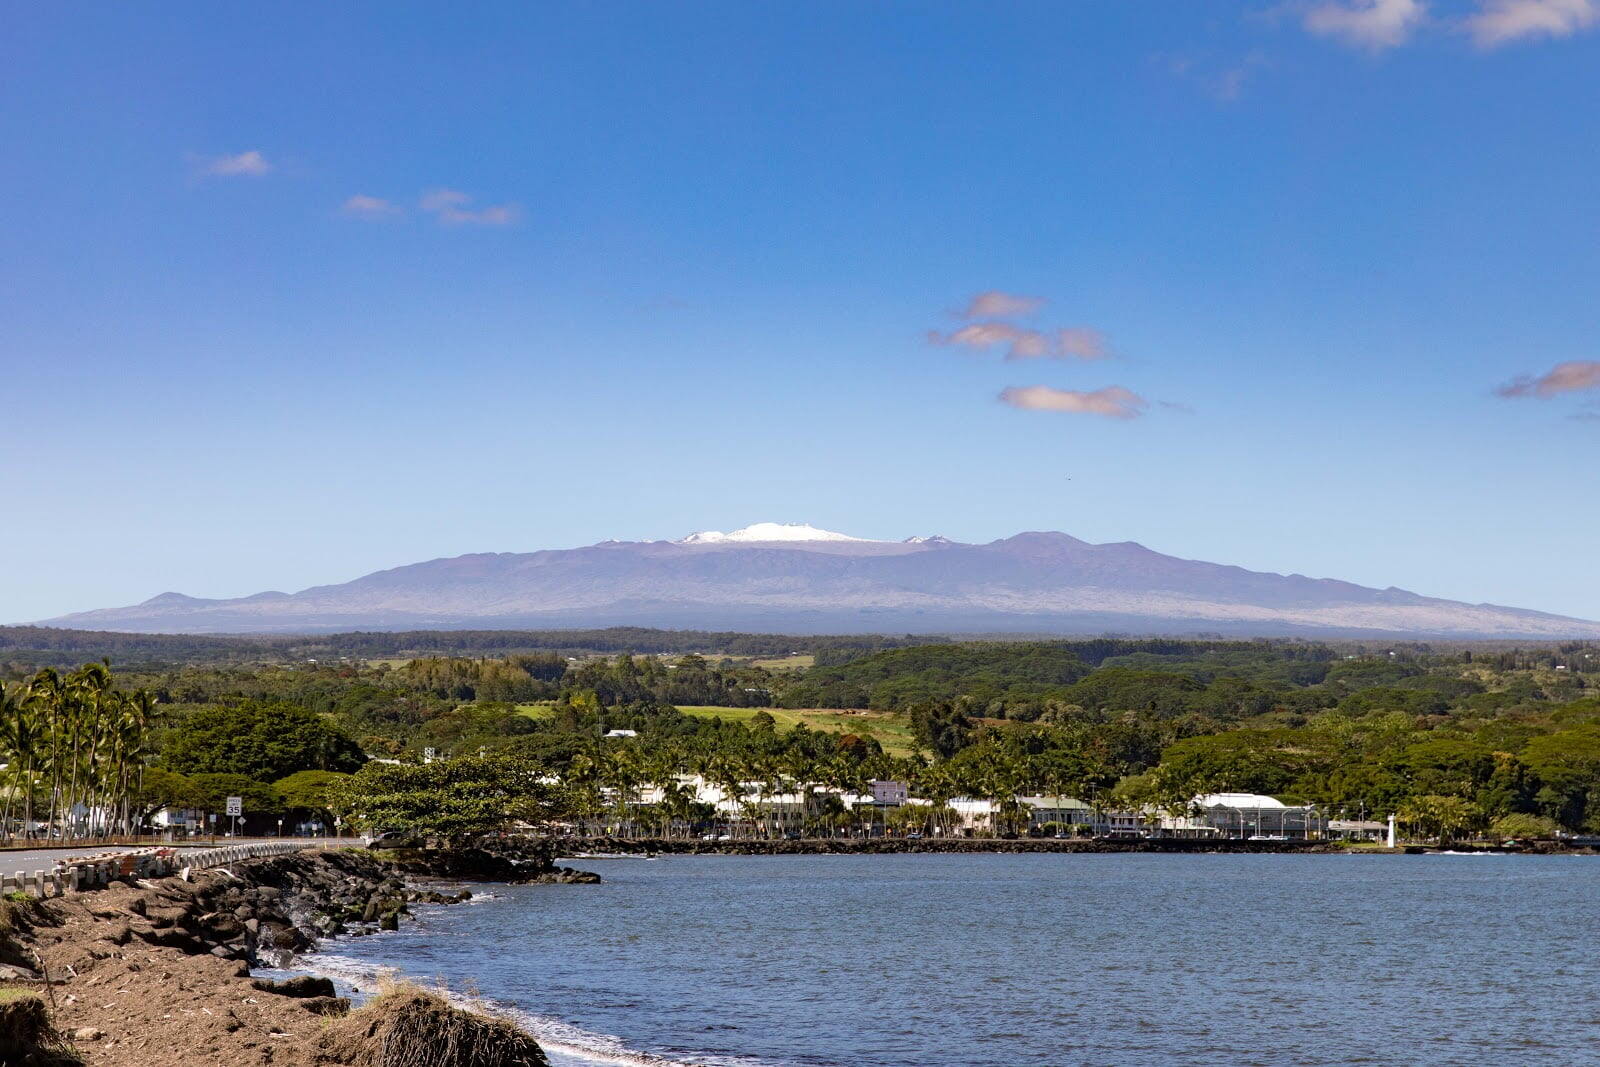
(19, 744)
(133, 748)
(583, 783)
(624, 775)
(45, 698)
(96, 702)
(92, 740)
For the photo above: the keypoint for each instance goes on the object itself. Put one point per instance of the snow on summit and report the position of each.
(767, 531)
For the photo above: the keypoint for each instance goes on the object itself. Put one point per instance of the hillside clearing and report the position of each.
(891, 731)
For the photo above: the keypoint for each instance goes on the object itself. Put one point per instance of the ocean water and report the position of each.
(1004, 961)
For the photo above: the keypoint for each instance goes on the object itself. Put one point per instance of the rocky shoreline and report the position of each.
(875, 846)
(648, 846)
(514, 860)
(147, 972)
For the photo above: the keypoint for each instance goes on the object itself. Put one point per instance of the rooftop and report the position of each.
(1238, 800)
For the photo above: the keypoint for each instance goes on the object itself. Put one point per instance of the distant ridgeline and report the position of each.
(39, 646)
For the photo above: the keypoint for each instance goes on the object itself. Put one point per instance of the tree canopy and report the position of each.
(454, 799)
(261, 740)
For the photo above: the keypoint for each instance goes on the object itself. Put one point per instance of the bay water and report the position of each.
(1121, 960)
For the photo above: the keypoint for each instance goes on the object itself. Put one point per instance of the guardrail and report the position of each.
(221, 857)
(79, 873)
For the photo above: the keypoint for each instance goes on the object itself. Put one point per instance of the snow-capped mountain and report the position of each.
(766, 531)
(798, 578)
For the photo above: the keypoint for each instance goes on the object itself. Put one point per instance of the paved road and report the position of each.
(39, 859)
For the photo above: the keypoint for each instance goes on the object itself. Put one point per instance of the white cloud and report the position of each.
(1573, 376)
(251, 164)
(1370, 24)
(453, 206)
(1113, 401)
(997, 305)
(1075, 342)
(1499, 22)
(369, 207)
(988, 335)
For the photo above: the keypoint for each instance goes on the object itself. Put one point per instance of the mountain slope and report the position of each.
(799, 579)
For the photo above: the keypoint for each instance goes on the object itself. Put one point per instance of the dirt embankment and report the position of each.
(155, 973)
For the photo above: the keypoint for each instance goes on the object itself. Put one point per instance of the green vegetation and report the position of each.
(541, 710)
(26, 648)
(260, 740)
(459, 798)
(75, 749)
(892, 732)
(899, 679)
(1456, 740)
(784, 663)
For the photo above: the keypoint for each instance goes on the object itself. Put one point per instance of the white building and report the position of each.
(1357, 829)
(752, 803)
(1061, 813)
(976, 816)
(889, 793)
(1242, 815)
(982, 816)
(191, 820)
(1070, 812)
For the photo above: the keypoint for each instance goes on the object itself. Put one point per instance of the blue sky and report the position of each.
(291, 294)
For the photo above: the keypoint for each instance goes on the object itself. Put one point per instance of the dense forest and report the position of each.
(22, 647)
(1456, 739)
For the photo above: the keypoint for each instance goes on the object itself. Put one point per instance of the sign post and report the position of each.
(235, 809)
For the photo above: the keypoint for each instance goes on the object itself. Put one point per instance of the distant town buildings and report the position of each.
(887, 806)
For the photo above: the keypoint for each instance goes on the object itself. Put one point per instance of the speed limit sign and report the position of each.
(235, 806)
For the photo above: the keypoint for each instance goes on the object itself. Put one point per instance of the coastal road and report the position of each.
(42, 859)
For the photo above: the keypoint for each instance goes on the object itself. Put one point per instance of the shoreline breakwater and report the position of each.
(875, 846)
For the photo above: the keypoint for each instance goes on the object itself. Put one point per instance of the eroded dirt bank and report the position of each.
(154, 973)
